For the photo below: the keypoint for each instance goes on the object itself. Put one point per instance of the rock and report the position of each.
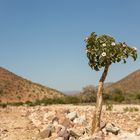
(102, 125)
(110, 127)
(72, 115)
(4, 131)
(80, 120)
(74, 134)
(64, 134)
(59, 138)
(55, 123)
(72, 138)
(128, 136)
(49, 115)
(45, 133)
(98, 136)
(59, 128)
(67, 123)
(137, 132)
(35, 120)
(87, 130)
(51, 127)
(55, 119)
(66, 111)
(85, 138)
(104, 131)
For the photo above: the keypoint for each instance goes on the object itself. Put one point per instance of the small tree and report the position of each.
(88, 94)
(102, 51)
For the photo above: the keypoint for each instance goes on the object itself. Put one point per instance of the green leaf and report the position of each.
(124, 61)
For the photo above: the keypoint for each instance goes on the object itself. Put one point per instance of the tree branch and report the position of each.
(102, 79)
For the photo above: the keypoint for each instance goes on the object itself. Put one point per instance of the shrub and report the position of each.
(106, 96)
(138, 95)
(117, 95)
(71, 100)
(130, 109)
(29, 103)
(88, 94)
(109, 106)
(3, 105)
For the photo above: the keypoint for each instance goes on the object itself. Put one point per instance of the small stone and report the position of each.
(73, 134)
(72, 115)
(45, 133)
(110, 127)
(79, 120)
(86, 138)
(98, 136)
(64, 134)
(72, 138)
(51, 127)
(67, 123)
(102, 125)
(59, 138)
(138, 132)
(104, 131)
(55, 119)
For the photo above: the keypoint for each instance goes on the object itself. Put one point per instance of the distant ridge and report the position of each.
(129, 84)
(14, 88)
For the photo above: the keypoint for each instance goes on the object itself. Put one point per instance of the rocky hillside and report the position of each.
(129, 84)
(14, 88)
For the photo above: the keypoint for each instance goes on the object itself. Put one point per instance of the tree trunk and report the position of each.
(97, 114)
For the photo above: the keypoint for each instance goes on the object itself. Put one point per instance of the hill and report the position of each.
(129, 84)
(14, 88)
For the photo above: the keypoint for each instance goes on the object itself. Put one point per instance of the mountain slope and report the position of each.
(129, 84)
(14, 88)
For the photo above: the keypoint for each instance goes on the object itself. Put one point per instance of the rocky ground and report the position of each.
(68, 122)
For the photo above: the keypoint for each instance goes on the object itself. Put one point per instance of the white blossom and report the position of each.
(124, 45)
(104, 54)
(86, 38)
(104, 45)
(135, 48)
(113, 44)
(87, 50)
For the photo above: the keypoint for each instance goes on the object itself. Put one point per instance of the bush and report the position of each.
(138, 95)
(106, 96)
(3, 105)
(117, 95)
(16, 103)
(109, 106)
(130, 109)
(29, 103)
(71, 100)
(88, 94)
(62, 100)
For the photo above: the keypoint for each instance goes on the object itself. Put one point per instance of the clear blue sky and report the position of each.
(43, 40)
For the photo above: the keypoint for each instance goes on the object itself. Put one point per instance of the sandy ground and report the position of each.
(25, 123)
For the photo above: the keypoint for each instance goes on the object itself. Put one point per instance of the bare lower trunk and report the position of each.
(98, 109)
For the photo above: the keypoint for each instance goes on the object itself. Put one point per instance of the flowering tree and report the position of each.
(102, 51)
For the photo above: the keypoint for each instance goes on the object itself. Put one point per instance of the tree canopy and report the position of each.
(103, 50)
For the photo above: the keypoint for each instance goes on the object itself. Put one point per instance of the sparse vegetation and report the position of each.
(46, 101)
(3, 105)
(117, 96)
(130, 109)
(138, 95)
(109, 106)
